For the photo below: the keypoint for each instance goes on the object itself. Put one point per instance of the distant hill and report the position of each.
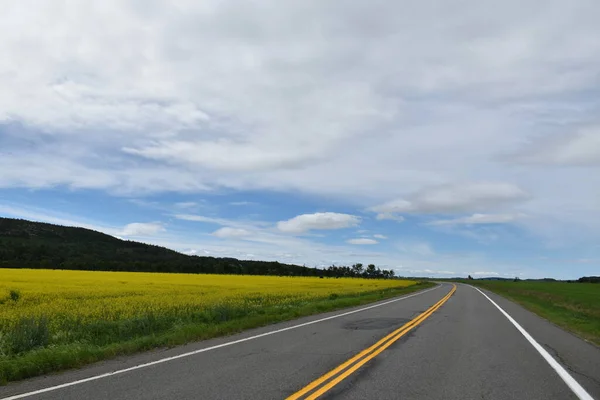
(27, 244)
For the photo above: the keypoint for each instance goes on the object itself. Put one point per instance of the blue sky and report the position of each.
(412, 136)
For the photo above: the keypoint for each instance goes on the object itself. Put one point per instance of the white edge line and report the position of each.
(565, 376)
(191, 353)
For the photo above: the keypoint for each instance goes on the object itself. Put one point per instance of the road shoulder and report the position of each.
(579, 357)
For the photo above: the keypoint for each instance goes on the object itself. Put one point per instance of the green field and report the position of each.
(572, 306)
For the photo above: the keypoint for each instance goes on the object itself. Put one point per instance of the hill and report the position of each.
(27, 244)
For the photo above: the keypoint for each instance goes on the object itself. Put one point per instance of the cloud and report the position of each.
(224, 155)
(476, 219)
(186, 205)
(390, 216)
(362, 241)
(266, 116)
(318, 221)
(581, 148)
(252, 230)
(202, 218)
(57, 168)
(231, 233)
(486, 273)
(380, 236)
(142, 229)
(455, 198)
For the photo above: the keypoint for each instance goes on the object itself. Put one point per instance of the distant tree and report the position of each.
(589, 279)
(371, 271)
(357, 269)
(470, 278)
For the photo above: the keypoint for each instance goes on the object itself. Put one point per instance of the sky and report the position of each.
(432, 138)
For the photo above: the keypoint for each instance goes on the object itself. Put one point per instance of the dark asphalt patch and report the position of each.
(375, 323)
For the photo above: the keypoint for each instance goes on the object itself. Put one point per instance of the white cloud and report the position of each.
(241, 120)
(580, 149)
(229, 233)
(390, 216)
(327, 220)
(250, 225)
(142, 229)
(225, 155)
(202, 218)
(486, 273)
(380, 236)
(56, 168)
(480, 219)
(362, 241)
(455, 198)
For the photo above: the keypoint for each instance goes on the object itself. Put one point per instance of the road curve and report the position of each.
(439, 346)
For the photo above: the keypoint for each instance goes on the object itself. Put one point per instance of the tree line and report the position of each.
(359, 271)
(589, 279)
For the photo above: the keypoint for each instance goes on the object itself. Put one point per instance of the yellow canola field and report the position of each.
(71, 300)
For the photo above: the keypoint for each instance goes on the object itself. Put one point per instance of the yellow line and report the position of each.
(346, 364)
(366, 355)
(350, 371)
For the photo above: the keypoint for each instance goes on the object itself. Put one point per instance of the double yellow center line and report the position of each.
(326, 382)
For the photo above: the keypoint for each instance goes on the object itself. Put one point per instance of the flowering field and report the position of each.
(84, 316)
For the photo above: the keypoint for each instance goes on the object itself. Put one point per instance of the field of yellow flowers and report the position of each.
(53, 319)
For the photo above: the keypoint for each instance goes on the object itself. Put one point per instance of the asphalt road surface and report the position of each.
(434, 346)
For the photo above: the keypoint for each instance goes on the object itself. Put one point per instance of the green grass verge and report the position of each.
(61, 357)
(572, 306)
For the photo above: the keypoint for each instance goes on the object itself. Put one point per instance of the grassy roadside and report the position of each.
(73, 355)
(572, 306)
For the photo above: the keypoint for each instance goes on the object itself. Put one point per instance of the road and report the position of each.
(443, 346)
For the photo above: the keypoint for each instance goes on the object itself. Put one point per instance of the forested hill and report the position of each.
(26, 244)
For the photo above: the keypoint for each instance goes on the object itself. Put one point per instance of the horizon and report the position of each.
(465, 144)
(308, 266)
